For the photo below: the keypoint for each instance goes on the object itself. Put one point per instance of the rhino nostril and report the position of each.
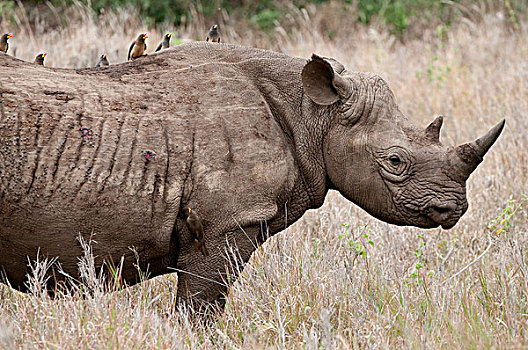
(441, 210)
(441, 213)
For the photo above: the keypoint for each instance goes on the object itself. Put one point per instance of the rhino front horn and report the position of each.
(472, 153)
(483, 144)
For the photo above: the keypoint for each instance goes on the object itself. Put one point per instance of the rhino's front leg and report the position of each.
(204, 280)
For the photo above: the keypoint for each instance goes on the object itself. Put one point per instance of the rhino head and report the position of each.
(378, 159)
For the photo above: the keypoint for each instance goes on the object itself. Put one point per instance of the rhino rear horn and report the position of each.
(432, 132)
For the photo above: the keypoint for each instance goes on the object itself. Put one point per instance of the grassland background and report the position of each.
(308, 287)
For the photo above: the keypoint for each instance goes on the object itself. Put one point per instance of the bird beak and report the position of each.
(215, 26)
(104, 56)
(44, 55)
(145, 36)
(170, 35)
(9, 35)
(189, 209)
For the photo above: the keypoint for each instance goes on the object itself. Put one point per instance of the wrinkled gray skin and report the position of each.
(247, 138)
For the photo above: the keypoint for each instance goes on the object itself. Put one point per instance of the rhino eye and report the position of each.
(394, 159)
(395, 163)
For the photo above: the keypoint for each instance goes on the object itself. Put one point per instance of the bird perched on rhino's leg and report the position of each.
(213, 34)
(40, 59)
(194, 224)
(3, 42)
(103, 61)
(165, 44)
(138, 47)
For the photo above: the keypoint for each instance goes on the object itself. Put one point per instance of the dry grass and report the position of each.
(308, 287)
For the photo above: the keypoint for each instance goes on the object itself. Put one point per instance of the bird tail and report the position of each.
(199, 246)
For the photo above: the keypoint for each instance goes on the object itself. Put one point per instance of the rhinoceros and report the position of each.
(247, 138)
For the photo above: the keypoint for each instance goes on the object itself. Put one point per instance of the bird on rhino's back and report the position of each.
(241, 135)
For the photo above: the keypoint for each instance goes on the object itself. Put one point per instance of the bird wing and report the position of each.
(130, 50)
(145, 46)
(207, 39)
(159, 47)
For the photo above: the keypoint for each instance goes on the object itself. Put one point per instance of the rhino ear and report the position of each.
(322, 83)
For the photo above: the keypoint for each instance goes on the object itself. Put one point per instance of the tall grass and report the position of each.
(337, 278)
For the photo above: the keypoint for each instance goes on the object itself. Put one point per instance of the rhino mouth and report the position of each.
(434, 211)
(426, 222)
(432, 216)
(448, 226)
(445, 215)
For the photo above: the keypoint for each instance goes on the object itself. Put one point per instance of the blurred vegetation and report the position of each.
(399, 16)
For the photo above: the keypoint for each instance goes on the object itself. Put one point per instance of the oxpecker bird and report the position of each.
(194, 224)
(213, 34)
(138, 47)
(40, 59)
(165, 44)
(103, 61)
(3, 42)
